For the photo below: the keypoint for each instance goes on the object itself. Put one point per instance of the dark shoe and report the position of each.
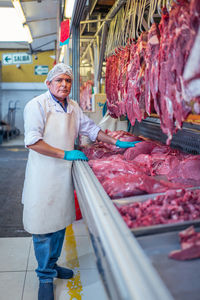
(63, 273)
(45, 291)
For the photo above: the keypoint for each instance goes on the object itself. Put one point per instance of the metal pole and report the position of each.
(76, 63)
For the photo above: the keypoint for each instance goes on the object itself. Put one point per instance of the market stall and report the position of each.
(137, 202)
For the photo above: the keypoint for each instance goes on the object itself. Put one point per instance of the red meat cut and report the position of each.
(190, 245)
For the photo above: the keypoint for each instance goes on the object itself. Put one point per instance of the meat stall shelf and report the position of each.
(125, 269)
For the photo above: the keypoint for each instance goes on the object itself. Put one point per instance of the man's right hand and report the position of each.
(75, 155)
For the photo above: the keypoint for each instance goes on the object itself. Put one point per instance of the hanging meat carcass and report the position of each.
(152, 70)
(135, 99)
(155, 73)
(177, 38)
(116, 70)
(111, 85)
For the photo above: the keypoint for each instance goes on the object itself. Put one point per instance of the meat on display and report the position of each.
(149, 167)
(173, 207)
(155, 70)
(190, 245)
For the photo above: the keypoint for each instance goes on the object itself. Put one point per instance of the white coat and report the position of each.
(48, 188)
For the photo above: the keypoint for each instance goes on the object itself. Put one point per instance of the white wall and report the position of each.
(19, 93)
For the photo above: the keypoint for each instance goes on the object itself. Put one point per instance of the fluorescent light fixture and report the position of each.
(69, 5)
(20, 12)
(18, 7)
(11, 27)
(28, 34)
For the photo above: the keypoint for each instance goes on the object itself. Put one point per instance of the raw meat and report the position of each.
(112, 74)
(157, 70)
(135, 100)
(86, 95)
(99, 149)
(106, 169)
(149, 167)
(152, 69)
(177, 37)
(189, 168)
(141, 148)
(129, 185)
(172, 207)
(190, 245)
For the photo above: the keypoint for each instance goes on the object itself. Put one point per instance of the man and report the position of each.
(52, 123)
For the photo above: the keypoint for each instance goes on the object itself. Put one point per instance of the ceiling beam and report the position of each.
(102, 50)
(93, 6)
(113, 11)
(92, 21)
(38, 20)
(77, 13)
(44, 35)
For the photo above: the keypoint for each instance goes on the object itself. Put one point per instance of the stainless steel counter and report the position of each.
(126, 270)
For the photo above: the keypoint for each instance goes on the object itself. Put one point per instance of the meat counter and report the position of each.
(132, 266)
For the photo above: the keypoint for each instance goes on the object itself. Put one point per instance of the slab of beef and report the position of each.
(114, 166)
(178, 33)
(141, 148)
(190, 245)
(166, 107)
(85, 95)
(170, 208)
(111, 84)
(99, 149)
(130, 81)
(152, 69)
(124, 57)
(162, 164)
(116, 69)
(130, 185)
(188, 168)
(122, 135)
(191, 75)
(96, 152)
(135, 99)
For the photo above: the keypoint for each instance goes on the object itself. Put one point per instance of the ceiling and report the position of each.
(44, 16)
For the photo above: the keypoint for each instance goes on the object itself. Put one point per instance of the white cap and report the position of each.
(59, 69)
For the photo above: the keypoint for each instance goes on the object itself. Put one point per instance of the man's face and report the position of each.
(60, 86)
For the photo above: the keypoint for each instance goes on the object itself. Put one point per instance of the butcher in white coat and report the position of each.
(52, 123)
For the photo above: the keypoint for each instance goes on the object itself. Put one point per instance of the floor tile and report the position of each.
(32, 263)
(14, 253)
(84, 286)
(82, 257)
(80, 228)
(31, 286)
(11, 285)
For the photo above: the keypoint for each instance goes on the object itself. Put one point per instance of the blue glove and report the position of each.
(75, 155)
(122, 144)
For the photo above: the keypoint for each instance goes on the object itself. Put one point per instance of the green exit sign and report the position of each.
(41, 70)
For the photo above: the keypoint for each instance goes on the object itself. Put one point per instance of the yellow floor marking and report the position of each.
(13, 149)
(74, 285)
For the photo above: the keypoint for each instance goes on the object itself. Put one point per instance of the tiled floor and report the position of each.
(19, 141)
(18, 280)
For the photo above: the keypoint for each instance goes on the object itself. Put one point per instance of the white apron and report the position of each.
(48, 194)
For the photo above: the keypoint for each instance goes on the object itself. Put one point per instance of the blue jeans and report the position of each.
(47, 251)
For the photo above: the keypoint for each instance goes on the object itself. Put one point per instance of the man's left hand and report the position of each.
(122, 144)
